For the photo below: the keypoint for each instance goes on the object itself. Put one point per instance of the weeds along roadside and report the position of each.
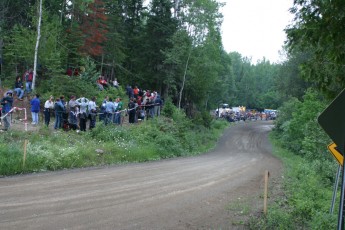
(303, 199)
(151, 140)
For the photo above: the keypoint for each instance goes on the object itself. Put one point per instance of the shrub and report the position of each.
(203, 118)
(169, 109)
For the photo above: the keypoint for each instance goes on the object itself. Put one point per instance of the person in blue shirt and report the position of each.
(35, 108)
(109, 111)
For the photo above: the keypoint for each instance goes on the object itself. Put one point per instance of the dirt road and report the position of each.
(217, 190)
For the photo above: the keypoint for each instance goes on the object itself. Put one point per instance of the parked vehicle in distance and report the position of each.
(222, 110)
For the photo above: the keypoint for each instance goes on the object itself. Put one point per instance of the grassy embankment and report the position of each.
(151, 140)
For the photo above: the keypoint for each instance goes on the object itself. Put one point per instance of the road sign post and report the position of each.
(339, 157)
(333, 122)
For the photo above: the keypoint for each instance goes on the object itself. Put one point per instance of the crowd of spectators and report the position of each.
(77, 112)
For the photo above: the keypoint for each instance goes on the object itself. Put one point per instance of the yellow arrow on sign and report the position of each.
(337, 155)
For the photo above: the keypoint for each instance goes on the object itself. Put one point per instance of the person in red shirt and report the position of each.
(136, 92)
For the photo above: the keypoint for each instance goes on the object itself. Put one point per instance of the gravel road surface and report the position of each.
(216, 190)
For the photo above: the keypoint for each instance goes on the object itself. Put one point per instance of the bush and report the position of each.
(169, 109)
(203, 118)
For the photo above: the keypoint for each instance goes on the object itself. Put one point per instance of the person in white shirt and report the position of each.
(48, 106)
(83, 114)
(116, 83)
(83, 103)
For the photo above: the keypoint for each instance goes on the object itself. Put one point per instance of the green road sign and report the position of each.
(332, 120)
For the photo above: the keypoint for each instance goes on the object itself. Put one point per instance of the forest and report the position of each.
(175, 47)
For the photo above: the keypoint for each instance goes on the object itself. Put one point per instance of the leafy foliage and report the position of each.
(297, 124)
(318, 32)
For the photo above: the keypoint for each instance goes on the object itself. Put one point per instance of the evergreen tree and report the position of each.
(160, 28)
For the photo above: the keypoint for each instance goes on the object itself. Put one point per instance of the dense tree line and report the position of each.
(173, 47)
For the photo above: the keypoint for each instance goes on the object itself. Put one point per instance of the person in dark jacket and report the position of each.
(131, 111)
(73, 118)
(19, 88)
(6, 103)
(59, 109)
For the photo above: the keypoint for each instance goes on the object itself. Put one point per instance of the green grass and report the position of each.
(305, 199)
(152, 140)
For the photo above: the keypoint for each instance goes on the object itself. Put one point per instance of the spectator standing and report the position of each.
(28, 76)
(158, 104)
(118, 111)
(19, 88)
(6, 103)
(35, 109)
(92, 112)
(102, 111)
(136, 92)
(116, 103)
(48, 107)
(72, 103)
(62, 100)
(59, 109)
(83, 114)
(109, 110)
(148, 108)
(131, 111)
(73, 117)
(83, 103)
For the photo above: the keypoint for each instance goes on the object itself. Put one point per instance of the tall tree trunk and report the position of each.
(102, 64)
(2, 21)
(37, 43)
(72, 15)
(62, 11)
(176, 8)
(184, 79)
(112, 70)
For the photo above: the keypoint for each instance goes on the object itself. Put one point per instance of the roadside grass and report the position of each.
(304, 199)
(155, 139)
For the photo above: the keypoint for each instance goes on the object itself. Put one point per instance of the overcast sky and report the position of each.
(254, 28)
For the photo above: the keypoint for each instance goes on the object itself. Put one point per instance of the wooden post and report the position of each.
(267, 174)
(24, 155)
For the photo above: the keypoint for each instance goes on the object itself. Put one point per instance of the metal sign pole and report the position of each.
(341, 203)
(335, 189)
